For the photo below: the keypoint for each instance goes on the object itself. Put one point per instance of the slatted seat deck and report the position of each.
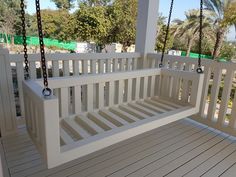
(109, 120)
(182, 148)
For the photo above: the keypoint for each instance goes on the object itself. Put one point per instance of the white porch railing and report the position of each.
(219, 77)
(218, 102)
(72, 64)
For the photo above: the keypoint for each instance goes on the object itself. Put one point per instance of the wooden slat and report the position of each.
(101, 121)
(90, 123)
(108, 114)
(159, 105)
(149, 106)
(142, 109)
(133, 112)
(174, 105)
(65, 137)
(123, 114)
(76, 128)
(122, 64)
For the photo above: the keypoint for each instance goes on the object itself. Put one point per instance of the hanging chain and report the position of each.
(167, 33)
(22, 5)
(46, 91)
(199, 69)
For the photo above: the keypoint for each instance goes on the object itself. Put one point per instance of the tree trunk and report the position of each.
(190, 43)
(219, 41)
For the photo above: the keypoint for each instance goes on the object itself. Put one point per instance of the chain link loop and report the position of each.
(22, 5)
(46, 91)
(167, 33)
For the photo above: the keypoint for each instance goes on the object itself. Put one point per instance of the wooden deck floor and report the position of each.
(183, 148)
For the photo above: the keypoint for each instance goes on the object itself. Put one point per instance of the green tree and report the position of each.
(64, 4)
(10, 17)
(93, 24)
(221, 14)
(227, 51)
(189, 28)
(58, 24)
(123, 18)
(161, 39)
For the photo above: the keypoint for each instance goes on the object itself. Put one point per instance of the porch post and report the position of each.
(146, 28)
(7, 101)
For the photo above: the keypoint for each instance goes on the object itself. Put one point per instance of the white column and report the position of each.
(7, 100)
(146, 26)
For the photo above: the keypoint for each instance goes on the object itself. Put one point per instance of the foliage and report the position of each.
(221, 14)
(161, 40)
(58, 24)
(228, 51)
(10, 16)
(123, 19)
(64, 4)
(93, 24)
(189, 28)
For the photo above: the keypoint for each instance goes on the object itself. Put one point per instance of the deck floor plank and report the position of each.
(182, 148)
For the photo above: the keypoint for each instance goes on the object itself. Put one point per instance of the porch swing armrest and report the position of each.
(42, 120)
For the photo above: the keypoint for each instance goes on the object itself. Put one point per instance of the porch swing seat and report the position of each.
(91, 112)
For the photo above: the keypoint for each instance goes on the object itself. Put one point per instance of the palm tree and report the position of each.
(222, 22)
(189, 28)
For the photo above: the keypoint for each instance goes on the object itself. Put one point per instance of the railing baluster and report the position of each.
(55, 68)
(32, 68)
(66, 71)
(225, 96)
(20, 78)
(206, 82)
(214, 93)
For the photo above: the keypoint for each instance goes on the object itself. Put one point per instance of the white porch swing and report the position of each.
(107, 108)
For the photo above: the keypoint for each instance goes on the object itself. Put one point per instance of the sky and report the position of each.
(180, 7)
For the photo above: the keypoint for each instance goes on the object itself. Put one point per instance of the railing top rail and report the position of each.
(205, 62)
(74, 56)
(61, 82)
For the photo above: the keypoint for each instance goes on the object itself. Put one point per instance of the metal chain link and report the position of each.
(46, 91)
(167, 33)
(22, 5)
(199, 69)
